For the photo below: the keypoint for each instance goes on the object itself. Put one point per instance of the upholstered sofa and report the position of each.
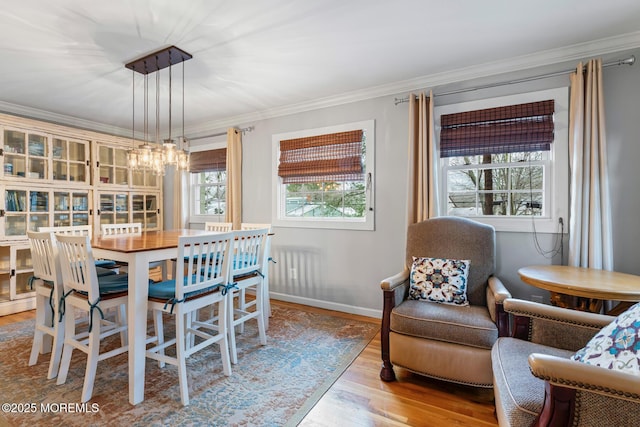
(537, 384)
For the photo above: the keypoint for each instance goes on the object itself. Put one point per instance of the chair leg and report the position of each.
(92, 359)
(38, 345)
(56, 351)
(158, 327)
(180, 356)
(121, 320)
(67, 350)
(231, 329)
(242, 306)
(261, 316)
(224, 341)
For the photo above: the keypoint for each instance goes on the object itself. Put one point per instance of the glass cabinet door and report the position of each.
(145, 179)
(145, 210)
(38, 209)
(25, 210)
(114, 208)
(25, 155)
(70, 208)
(24, 271)
(70, 160)
(114, 168)
(15, 205)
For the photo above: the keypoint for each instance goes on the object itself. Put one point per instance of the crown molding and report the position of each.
(544, 58)
(62, 119)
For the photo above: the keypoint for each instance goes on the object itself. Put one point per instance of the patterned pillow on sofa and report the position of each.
(439, 280)
(617, 345)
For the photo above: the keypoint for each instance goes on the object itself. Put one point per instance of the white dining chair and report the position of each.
(49, 330)
(119, 229)
(105, 266)
(218, 226)
(85, 292)
(267, 299)
(185, 295)
(247, 272)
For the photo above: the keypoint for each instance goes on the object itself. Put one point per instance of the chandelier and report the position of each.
(155, 156)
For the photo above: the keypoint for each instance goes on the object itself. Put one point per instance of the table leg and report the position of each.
(137, 318)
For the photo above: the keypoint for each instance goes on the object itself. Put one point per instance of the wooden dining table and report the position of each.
(138, 251)
(591, 284)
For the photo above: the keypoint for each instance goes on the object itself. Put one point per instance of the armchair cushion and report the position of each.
(617, 345)
(439, 280)
(471, 326)
(516, 390)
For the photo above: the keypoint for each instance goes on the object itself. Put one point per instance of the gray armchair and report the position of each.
(443, 341)
(536, 382)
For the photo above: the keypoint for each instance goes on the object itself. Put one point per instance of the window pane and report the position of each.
(326, 199)
(463, 160)
(462, 180)
(493, 203)
(526, 157)
(527, 204)
(462, 204)
(493, 179)
(527, 178)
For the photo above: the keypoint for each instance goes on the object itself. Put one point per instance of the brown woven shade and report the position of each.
(208, 161)
(330, 157)
(513, 128)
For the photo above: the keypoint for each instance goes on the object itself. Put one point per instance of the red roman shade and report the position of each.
(208, 161)
(513, 128)
(329, 157)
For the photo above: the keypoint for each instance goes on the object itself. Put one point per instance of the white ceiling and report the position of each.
(255, 58)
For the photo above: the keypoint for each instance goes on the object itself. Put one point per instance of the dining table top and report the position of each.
(583, 282)
(147, 240)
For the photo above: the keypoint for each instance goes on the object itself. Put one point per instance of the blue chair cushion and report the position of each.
(105, 263)
(104, 272)
(167, 290)
(113, 283)
(241, 261)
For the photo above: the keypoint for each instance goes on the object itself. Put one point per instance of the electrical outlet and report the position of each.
(537, 298)
(293, 273)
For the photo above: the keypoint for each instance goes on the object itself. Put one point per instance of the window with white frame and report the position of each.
(504, 161)
(208, 179)
(323, 178)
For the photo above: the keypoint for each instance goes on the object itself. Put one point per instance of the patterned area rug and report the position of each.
(271, 385)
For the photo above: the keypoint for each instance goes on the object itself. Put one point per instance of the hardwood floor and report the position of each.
(360, 398)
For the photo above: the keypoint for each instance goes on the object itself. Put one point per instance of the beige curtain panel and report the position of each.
(233, 212)
(423, 160)
(590, 238)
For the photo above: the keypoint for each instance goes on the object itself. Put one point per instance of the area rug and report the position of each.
(271, 385)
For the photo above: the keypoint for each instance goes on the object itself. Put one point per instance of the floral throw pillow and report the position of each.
(439, 280)
(617, 345)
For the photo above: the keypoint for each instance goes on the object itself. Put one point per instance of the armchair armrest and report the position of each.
(394, 288)
(390, 283)
(554, 326)
(575, 391)
(581, 376)
(496, 294)
(499, 292)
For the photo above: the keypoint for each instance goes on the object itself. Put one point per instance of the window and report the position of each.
(323, 178)
(504, 161)
(208, 182)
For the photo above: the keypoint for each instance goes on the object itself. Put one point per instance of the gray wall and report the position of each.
(342, 269)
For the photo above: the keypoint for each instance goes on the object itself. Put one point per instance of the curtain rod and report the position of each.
(627, 61)
(243, 130)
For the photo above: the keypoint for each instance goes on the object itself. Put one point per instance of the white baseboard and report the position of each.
(328, 305)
